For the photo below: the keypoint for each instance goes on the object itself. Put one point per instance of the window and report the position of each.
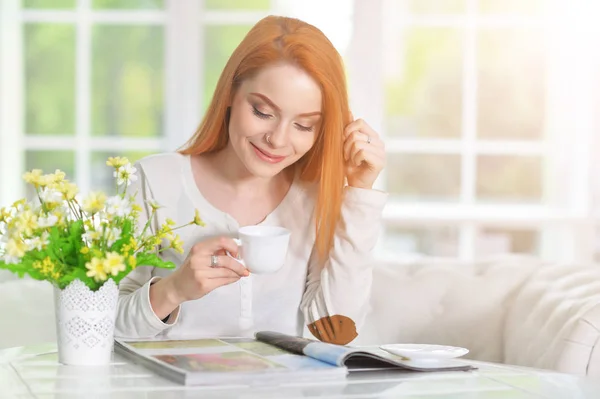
(489, 114)
(489, 108)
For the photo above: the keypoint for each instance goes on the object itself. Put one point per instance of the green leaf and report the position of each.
(150, 259)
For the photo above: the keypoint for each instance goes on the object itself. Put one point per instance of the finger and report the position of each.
(358, 138)
(350, 140)
(374, 157)
(361, 125)
(214, 245)
(232, 264)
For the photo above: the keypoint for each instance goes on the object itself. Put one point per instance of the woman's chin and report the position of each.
(260, 168)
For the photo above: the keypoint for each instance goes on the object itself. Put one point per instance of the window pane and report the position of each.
(48, 4)
(434, 241)
(237, 4)
(49, 79)
(48, 162)
(424, 93)
(500, 241)
(528, 7)
(424, 177)
(509, 178)
(511, 74)
(127, 80)
(102, 175)
(219, 43)
(128, 4)
(436, 6)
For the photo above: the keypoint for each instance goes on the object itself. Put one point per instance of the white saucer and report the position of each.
(424, 352)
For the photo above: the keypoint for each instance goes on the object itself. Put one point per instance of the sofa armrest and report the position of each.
(554, 321)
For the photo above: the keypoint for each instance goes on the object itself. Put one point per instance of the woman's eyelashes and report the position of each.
(262, 115)
(304, 128)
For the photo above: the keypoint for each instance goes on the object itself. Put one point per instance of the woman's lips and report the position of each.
(267, 157)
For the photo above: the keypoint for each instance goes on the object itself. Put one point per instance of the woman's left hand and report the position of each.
(364, 154)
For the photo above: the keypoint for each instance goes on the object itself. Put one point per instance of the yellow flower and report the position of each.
(96, 269)
(132, 261)
(113, 264)
(5, 214)
(19, 204)
(15, 247)
(69, 190)
(197, 219)
(26, 222)
(136, 208)
(34, 177)
(130, 247)
(58, 176)
(46, 267)
(84, 250)
(94, 202)
(177, 244)
(117, 162)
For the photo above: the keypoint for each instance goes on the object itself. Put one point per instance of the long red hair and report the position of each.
(275, 40)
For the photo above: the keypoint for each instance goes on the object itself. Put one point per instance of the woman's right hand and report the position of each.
(196, 277)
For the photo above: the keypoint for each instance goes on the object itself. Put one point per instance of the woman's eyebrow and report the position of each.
(272, 104)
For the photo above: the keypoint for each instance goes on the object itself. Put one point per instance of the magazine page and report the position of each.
(210, 361)
(328, 353)
(355, 359)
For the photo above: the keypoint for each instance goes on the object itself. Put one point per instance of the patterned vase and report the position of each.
(85, 323)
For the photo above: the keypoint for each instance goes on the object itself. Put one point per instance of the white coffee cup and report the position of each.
(263, 249)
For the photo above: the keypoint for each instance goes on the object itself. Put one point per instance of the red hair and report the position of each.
(275, 40)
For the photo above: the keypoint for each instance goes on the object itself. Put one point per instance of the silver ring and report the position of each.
(368, 139)
(214, 261)
(268, 138)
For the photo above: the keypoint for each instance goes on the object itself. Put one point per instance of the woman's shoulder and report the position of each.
(168, 160)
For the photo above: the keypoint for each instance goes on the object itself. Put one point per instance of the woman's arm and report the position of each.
(336, 298)
(135, 315)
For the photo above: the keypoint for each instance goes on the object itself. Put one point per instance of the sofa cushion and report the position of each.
(554, 322)
(448, 302)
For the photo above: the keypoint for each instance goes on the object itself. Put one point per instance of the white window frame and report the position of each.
(566, 220)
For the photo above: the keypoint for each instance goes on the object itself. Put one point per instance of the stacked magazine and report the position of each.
(271, 357)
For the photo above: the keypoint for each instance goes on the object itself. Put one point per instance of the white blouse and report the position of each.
(331, 299)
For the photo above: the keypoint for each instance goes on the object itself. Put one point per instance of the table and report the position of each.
(34, 372)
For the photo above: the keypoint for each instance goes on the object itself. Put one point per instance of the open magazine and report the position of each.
(354, 359)
(271, 357)
(225, 361)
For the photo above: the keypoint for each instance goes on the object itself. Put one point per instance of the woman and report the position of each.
(276, 147)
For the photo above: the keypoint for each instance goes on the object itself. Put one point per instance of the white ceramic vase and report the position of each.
(85, 323)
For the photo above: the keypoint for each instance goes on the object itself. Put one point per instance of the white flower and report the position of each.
(47, 221)
(153, 204)
(91, 236)
(125, 174)
(118, 206)
(112, 236)
(51, 196)
(38, 243)
(11, 260)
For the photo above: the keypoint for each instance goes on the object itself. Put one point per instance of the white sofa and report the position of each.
(514, 310)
